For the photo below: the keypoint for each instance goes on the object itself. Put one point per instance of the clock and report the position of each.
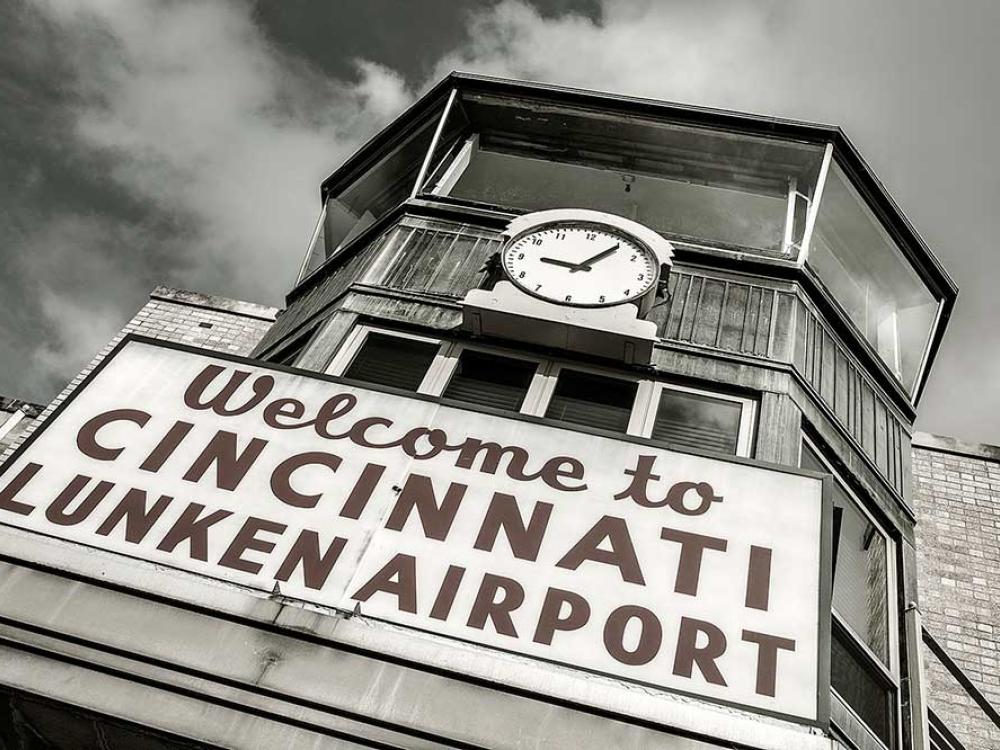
(574, 279)
(580, 263)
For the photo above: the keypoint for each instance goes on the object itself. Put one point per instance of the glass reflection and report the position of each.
(694, 184)
(698, 421)
(869, 277)
(860, 582)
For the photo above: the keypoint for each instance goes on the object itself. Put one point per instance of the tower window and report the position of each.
(392, 361)
(491, 380)
(696, 420)
(862, 664)
(593, 400)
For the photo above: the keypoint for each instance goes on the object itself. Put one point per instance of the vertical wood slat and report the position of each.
(841, 383)
(439, 257)
(708, 312)
(387, 253)
(442, 275)
(678, 288)
(687, 317)
(722, 313)
(746, 314)
(765, 322)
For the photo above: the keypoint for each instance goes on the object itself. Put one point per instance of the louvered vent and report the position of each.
(393, 361)
(694, 421)
(490, 380)
(592, 400)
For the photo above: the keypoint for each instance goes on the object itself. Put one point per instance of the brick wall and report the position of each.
(201, 320)
(957, 495)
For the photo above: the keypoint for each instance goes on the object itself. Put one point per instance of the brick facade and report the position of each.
(201, 320)
(956, 489)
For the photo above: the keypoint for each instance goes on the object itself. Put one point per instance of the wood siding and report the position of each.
(432, 260)
(415, 255)
(760, 319)
(719, 313)
(858, 406)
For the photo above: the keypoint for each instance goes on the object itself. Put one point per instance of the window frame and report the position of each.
(551, 379)
(455, 163)
(355, 340)
(748, 411)
(449, 364)
(440, 181)
(887, 672)
(543, 384)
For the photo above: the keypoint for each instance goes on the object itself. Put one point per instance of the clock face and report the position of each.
(587, 265)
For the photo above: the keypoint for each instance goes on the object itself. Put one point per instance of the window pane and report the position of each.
(378, 190)
(490, 380)
(694, 184)
(861, 687)
(697, 421)
(393, 361)
(592, 400)
(870, 278)
(860, 587)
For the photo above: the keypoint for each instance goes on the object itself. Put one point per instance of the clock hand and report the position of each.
(585, 265)
(565, 264)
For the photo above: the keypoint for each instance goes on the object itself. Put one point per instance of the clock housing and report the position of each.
(580, 263)
(577, 292)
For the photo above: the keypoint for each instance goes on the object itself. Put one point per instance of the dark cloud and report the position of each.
(408, 37)
(148, 142)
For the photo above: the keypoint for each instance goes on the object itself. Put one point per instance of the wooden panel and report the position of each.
(733, 315)
(851, 395)
(721, 313)
(324, 344)
(417, 255)
(778, 429)
(437, 257)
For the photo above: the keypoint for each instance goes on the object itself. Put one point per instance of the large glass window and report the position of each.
(870, 278)
(865, 690)
(693, 184)
(861, 660)
(381, 187)
(861, 579)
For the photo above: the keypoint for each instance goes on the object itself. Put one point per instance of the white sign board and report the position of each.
(687, 573)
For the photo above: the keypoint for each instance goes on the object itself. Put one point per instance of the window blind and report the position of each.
(491, 380)
(593, 400)
(392, 361)
(697, 421)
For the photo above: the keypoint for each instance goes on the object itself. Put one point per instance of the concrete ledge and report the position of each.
(927, 441)
(213, 302)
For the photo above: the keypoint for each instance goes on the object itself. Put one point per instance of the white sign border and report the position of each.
(825, 588)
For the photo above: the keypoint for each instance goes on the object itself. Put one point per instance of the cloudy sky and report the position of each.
(175, 142)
